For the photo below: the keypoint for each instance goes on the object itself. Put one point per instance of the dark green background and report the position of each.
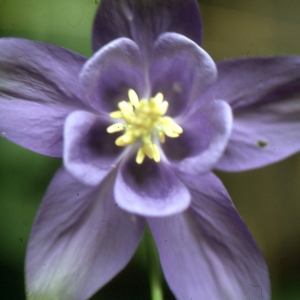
(268, 199)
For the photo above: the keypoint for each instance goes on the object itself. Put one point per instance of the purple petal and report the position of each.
(150, 189)
(144, 20)
(204, 138)
(207, 252)
(35, 126)
(80, 240)
(264, 95)
(181, 70)
(38, 88)
(111, 72)
(90, 152)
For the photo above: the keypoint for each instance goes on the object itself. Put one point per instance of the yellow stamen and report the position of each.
(155, 154)
(133, 97)
(140, 156)
(115, 128)
(145, 122)
(164, 107)
(116, 114)
(161, 136)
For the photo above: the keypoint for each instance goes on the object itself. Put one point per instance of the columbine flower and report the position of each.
(140, 125)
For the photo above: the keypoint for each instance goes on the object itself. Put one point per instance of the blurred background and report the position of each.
(268, 199)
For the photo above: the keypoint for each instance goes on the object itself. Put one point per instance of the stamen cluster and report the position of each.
(144, 121)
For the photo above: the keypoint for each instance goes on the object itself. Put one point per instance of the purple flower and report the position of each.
(140, 125)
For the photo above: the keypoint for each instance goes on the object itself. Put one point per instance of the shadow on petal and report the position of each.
(181, 70)
(204, 138)
(90, 152)
(111, 72)
(150, 189)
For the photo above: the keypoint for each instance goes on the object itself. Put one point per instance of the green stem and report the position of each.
(155, 276)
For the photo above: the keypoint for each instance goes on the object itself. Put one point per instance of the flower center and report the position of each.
(144, 121)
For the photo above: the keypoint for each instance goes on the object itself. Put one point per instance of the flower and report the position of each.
(140, 125)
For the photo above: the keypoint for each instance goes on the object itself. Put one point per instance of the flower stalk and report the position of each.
(154, 268)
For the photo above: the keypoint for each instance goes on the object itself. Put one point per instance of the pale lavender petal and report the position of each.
(181, 70)
(80, 240)
(111, 72)
(207, 252)
(90, 152)
(204, 138)
(38, 88)
(150, 189)
(144, 20)
(265, 97)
